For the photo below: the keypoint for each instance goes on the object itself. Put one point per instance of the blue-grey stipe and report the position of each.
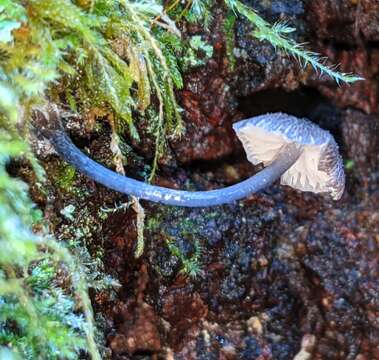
(112, 180)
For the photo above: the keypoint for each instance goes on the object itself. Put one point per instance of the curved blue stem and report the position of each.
(68, 151)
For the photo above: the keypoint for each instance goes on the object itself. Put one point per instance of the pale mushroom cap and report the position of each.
(319, 167)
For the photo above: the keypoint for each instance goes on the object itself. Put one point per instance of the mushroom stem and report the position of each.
(68, 151)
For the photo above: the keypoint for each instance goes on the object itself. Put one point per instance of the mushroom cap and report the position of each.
(319, 167)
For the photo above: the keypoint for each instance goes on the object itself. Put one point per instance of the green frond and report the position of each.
(276, 35)
(199, 12)
(190, 265)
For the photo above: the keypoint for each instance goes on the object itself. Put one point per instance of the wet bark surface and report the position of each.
(280, 275)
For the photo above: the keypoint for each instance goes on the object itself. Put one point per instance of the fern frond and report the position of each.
(276, 36)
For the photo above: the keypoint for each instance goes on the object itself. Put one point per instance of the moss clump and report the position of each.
(197, 53)
(229, 39)
(190, 262)
(277, 35)
(180, 236)
(41, 321)
(39, 318)
(66, 177)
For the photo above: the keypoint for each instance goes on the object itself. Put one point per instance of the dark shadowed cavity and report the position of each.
(305, 102)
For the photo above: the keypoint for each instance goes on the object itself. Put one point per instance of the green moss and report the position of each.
(185, 247)
(197, 54)
(190, 264)
(200, 12)
(229, 23)
(153, 223)
(107, 56)
(66, 177)
(277, 35)
(38, 318)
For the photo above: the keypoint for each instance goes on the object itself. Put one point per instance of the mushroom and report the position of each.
(299, 152)
(318, 169)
